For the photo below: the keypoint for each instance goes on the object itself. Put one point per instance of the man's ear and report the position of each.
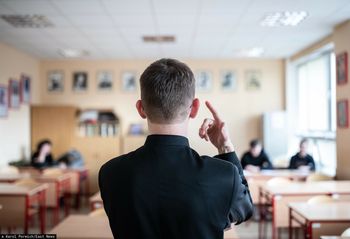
(194, 108)
(140, 109)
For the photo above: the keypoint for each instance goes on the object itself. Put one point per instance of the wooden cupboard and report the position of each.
(59, 124)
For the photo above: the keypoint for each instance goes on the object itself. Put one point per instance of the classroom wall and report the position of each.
(242, 109)
(341, 36)
(15, 129)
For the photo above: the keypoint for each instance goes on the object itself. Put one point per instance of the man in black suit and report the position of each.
(165, 189)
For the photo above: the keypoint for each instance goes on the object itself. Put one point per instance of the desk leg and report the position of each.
(67, 196)
(42, 211)
(260, 206)
(290, 224)
(273, 217)
(26, 215)
(56, 209)
(308, 230)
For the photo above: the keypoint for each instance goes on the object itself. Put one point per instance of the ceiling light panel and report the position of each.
(286, 18)
(27, 21)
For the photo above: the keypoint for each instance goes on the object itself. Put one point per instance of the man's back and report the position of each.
(166, 190)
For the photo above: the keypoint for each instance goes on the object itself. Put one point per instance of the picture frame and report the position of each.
(342, 68)
(14, 94)
(80, 81)
(228, 80)
(253, 80)
(55, 81)
(3, 101)
(129, 81)
(105, 80)
(204, 81)
(25, 86)
(343, 113)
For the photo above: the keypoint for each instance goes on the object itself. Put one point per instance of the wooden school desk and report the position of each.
(279, 197)
(16, 202)
(255, 179)
(95, 201)
(319, 219)
(58, 185)
(83, 227)
(333, 237)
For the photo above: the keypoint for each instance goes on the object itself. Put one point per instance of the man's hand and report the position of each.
(214, 130)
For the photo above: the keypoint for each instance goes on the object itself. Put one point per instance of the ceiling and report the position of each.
(203, 28)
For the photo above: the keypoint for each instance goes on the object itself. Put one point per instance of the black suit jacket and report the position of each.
(166, 190)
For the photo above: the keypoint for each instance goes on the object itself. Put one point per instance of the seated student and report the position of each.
(302, 159)
(255, 159)
(165, 189)
(72, 159)
(42, 156)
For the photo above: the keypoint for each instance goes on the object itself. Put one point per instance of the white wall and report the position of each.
(15, 129)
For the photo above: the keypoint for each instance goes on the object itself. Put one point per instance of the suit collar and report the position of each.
(162, 139)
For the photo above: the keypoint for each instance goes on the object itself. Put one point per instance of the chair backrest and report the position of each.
(320, 199)
(26, 182)
(98, 213)
(346, 233)
(278, 181)
(52, 171)
(314, 177)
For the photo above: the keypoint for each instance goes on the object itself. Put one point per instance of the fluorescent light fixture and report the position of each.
(287, 18)
(73, 53)
(250, 52)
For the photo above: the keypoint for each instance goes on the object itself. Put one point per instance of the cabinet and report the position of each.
(59, 124)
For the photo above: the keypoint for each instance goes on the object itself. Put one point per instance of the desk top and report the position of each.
(333, 211)
(308, 188)
(95, 198)
(11, 177)
(15, 190)
(83, 226)
(53, 177)
(286, 173)
(334, 237)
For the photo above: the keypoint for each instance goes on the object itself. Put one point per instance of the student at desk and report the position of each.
(255, 159)
(42, 156)
(302, 158)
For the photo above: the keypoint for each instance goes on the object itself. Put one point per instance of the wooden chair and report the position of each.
(346, 233)
(52, 171)
(266, 209)
(278, 181)
(320, 199)
(314, 177)
(98, 213)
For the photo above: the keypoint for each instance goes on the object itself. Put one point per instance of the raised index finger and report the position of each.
(213, 111)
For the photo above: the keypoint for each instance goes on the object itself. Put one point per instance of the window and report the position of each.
(316, 95)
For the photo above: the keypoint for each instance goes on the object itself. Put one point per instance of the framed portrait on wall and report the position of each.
(25, 85)
(228, 80)
(343, 113)
(204, 81)
(104, 80)
(55, 81)
(80, 81)
(14, 94)
(129, 81)
(3, 101)
(253, 80)
(342, 68)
